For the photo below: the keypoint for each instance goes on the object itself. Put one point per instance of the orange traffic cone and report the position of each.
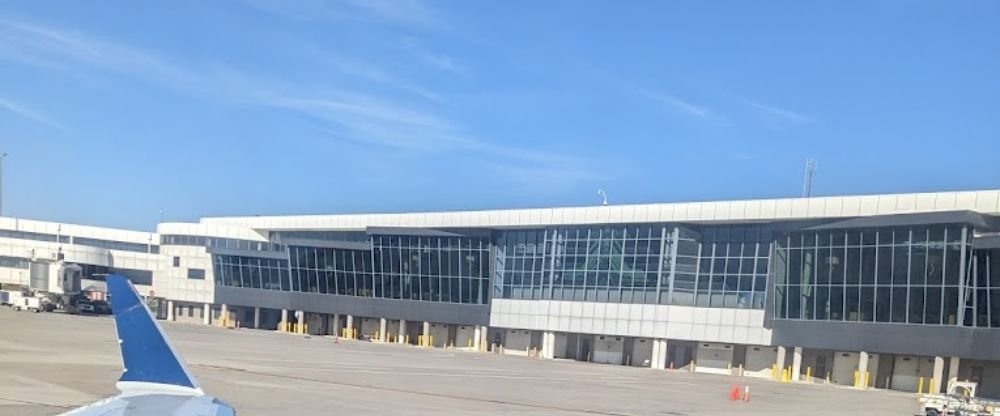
(734, 392)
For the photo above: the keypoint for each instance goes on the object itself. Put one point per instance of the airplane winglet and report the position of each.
(150, 361)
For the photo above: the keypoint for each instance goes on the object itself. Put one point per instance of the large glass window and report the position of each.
(722, 266)
(900, 274)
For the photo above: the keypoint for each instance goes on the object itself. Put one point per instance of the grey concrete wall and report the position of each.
(412, 311)
(925, 340)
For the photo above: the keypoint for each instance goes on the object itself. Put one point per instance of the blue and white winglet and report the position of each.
(154, 380)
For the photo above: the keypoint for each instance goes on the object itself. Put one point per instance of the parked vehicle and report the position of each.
(959, 400)
(85, 308)
(101, 307)
(20, 302)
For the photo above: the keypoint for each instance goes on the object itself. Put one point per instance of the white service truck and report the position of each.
(22, 302)
(960, 400)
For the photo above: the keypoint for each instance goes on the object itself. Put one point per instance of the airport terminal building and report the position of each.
(894, 291)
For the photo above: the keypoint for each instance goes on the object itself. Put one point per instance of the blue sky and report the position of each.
(113, 111)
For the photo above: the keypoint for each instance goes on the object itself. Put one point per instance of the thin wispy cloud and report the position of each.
(365, 70)
(414, 12)
(362, 117)
(783, 113)
(438, 61)
(409, 13)
(69, 51)
(29, 114)
(682, 106)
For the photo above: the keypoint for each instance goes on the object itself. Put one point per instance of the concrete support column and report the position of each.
(548, 345)
(938, 374)
(350, 325)
(224, 315)
(336, 324)
(779, 361)
(659, 360)
(426, 332)
(301, 321)
(401, 335)
(206, 317)
(953, 365)
(862, 370)
(256, 317)
(477, 338)
(484, 341)
(170, 311)
(383, 326)
(796, 363)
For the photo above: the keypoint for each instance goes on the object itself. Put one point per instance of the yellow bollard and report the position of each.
(774, 371)
(827, 377)
(355, 334)
(930, 387)
(920, 385)
(855, 378)
(867, 378)
(407, 338)
(809, 373)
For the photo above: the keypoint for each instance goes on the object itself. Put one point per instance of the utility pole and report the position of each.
(2, 157)
(807, 180)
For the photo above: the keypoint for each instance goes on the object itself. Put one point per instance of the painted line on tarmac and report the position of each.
(18, 401)
(438, 395)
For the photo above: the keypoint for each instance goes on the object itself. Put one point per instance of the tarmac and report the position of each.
(52, 362)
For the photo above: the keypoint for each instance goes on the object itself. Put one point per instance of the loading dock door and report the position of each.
(608, 350)
(517, 340)
(717, 356)
(642, 352)
(844, 365)
(464, 336)
(760, 358)
(905, 372)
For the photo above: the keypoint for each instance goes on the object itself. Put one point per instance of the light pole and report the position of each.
(2, 157)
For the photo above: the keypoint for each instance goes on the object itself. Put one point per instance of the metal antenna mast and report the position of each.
(807, 180)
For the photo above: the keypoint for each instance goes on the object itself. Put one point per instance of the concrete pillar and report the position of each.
(283, 325)
(779, 361)
(862, 370)
(224, 316)
(350, 322)
(170, 311)
(938, 374)
(383, 326)
(256, 317)
(953, 365)
(301, 321)
(548, 345)
(659, 360)
(336, 324)
(426, 331)
(484, 341)
(796, 363)
(206, 317)
(401, 336)
(477, 338)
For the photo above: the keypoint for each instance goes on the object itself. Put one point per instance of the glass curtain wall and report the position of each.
(902, 275)
(986, 297)
(433, 269)
(251, 272)
(719, 266)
